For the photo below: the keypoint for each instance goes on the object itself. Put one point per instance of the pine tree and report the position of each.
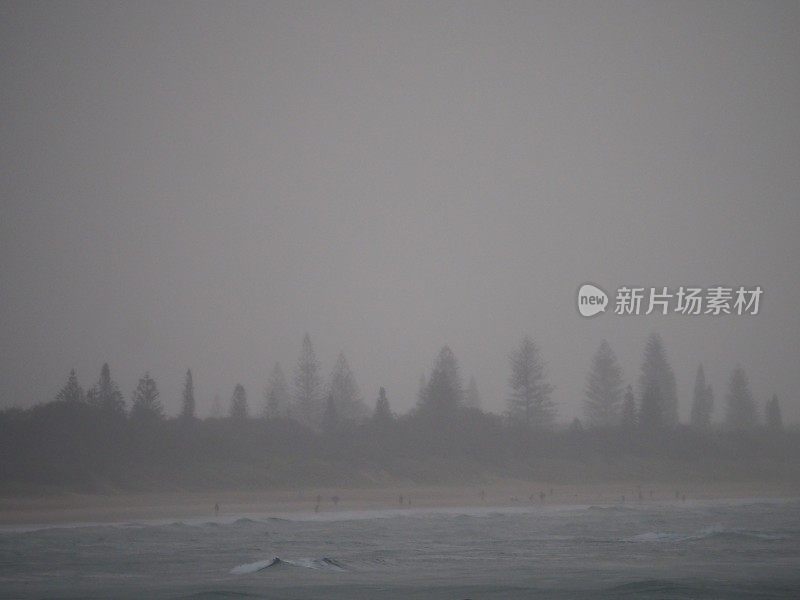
(188, 405)
(308, 386)
(345, 392)
(382, 416)
(702, 401)
(472, 397)
(105, 395)
(529, 403)
(657, 385)
(773, 414)
(741, 414)
(146, 408)
(603, 389)
(239, 408)
(276, 396)
(629, 417)
(444, 394)
(72, 390)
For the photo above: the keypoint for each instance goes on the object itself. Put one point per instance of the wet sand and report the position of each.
(125, 507)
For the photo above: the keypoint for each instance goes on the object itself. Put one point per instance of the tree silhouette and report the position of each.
(443, 395)
(239, 408)
(657, 384)
(773, 414)
(529, 403)
(308, 386)
(146, 408)
(603, 388)
(741, 414)
(72, 390)
(105, 395)
(383, 415)
(702, 401)
(188, 405)
(345, 392)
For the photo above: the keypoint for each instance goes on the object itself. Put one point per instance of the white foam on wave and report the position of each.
(706, 532)
(318, 564)
(254, 567)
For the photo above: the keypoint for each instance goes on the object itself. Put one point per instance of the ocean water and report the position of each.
(734, 549)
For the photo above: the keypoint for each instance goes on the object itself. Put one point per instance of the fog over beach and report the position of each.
(367, 299)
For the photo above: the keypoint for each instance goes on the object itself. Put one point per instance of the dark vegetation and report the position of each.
(312, 433)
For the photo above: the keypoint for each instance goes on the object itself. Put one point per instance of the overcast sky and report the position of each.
(198, 185)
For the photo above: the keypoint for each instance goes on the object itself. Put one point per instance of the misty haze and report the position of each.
(400, 300)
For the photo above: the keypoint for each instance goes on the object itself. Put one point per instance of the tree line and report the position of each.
(608, 401)
(86, 435)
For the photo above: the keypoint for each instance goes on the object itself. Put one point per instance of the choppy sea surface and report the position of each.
(715, 549)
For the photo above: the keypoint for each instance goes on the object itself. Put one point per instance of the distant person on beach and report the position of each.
(400, 499)
(216, 509)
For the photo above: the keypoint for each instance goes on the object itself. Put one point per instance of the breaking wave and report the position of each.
(703, 534)
(318, 564)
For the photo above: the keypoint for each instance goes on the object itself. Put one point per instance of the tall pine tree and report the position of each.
(382, 416)
(702, 401)
(72, 390)
(105, 395)
(239, 408)
(741, 414)
(187, 404)
(443, 394)
(773, 414)
(345, 392)
(529, 403)
(308, 386)
(603, 389)
(657, 384)
(146, 408)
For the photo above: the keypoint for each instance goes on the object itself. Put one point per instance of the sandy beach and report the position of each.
(125, 507)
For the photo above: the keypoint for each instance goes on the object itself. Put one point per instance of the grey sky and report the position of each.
(196, 184)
